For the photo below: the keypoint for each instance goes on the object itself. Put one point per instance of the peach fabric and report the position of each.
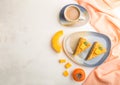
(104, 21)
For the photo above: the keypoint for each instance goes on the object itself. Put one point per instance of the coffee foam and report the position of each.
(72, 13)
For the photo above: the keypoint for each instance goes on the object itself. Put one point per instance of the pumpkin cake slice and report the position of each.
(82, 45)
(96, 50)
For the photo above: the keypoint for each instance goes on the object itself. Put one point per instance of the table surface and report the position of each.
(26, 56)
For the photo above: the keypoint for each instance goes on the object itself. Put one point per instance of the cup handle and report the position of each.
(81, 19)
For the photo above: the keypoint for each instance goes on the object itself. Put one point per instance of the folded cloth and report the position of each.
(104, 21)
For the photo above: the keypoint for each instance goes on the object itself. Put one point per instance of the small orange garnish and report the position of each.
(78, 74)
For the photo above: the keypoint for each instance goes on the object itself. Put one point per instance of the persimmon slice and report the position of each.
(78, 74)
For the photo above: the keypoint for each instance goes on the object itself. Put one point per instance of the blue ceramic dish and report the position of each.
(70, 42)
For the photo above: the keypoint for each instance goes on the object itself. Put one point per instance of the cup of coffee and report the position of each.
(72, 13)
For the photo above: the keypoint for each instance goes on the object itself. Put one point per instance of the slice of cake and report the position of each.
(96, 50)
(82, 45)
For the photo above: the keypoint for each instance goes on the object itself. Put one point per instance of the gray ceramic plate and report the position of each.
(83, 18)
(70, 42)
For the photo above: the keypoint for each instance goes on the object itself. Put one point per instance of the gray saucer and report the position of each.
(84, 18)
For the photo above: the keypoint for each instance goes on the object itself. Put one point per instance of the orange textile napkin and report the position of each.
(104, 21)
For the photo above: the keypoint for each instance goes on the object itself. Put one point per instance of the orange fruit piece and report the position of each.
(68, 65)
(78, 74)
(56, 45)
(62, 61)
(65, 73)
